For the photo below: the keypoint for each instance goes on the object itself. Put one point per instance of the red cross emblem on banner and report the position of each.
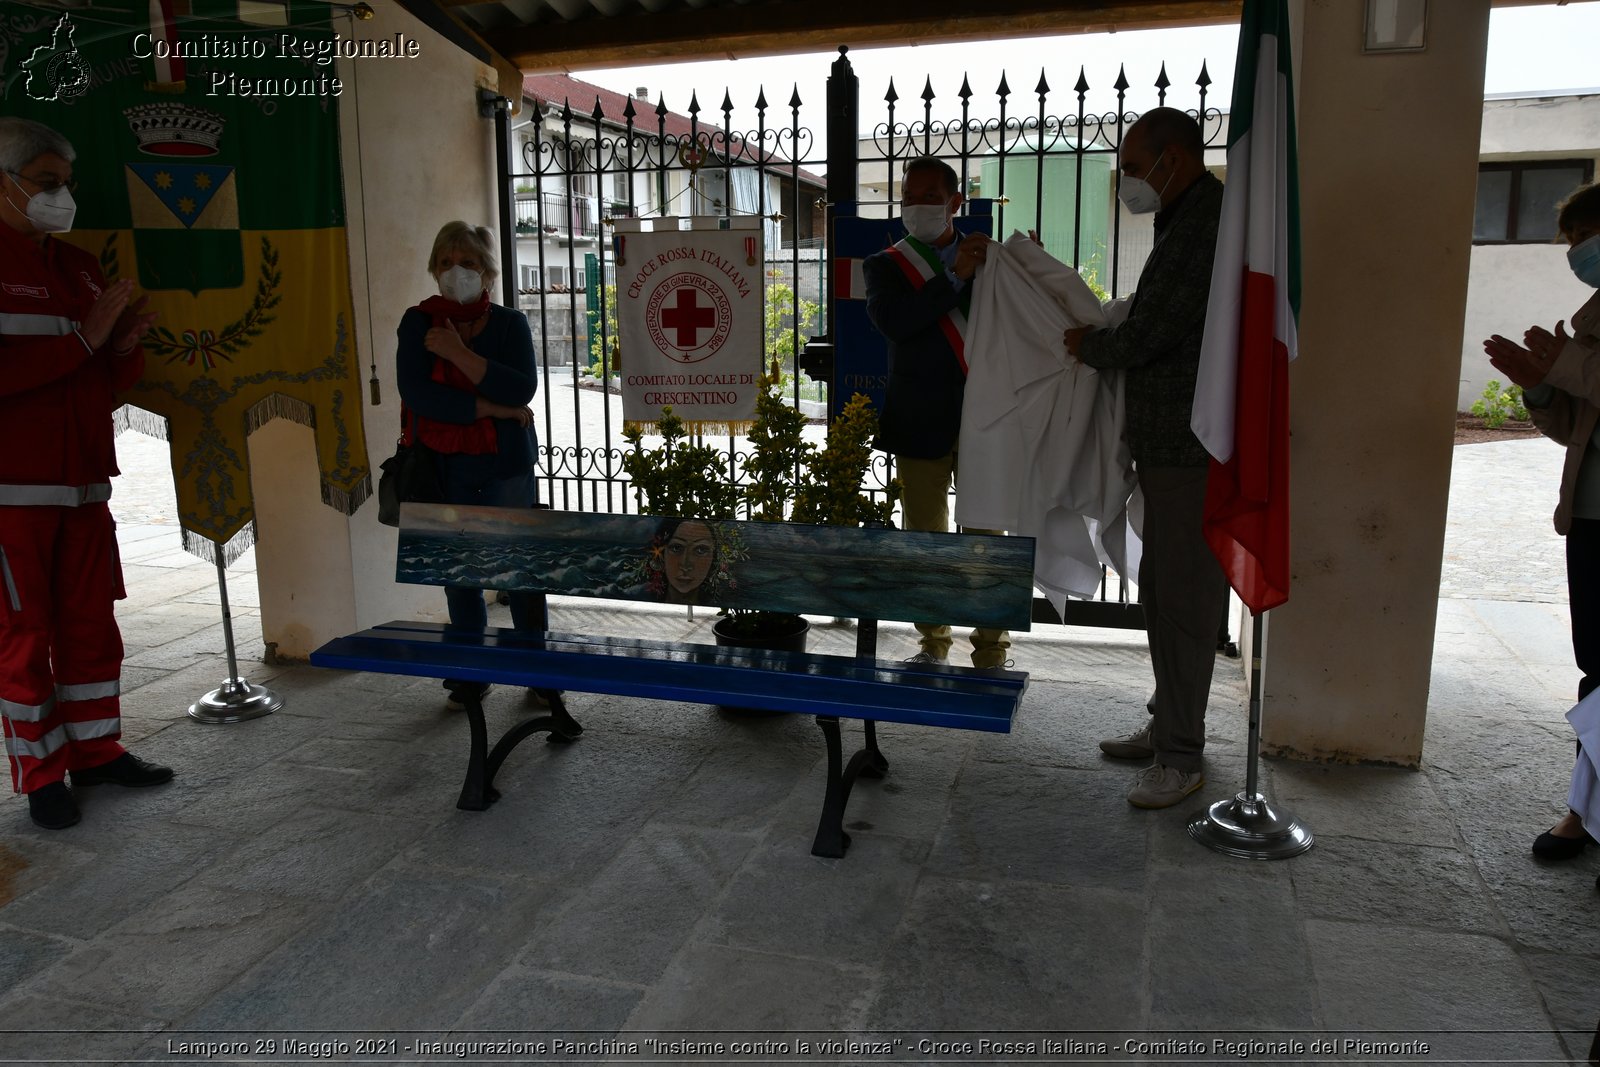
(689, 317)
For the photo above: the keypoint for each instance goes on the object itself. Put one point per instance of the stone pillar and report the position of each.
(424, 156)
(1388, 173)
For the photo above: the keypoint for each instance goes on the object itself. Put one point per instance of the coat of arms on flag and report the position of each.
(228, 212)
(689, 316)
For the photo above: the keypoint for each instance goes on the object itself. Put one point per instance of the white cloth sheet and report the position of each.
(1585, 795)
(1041, 451)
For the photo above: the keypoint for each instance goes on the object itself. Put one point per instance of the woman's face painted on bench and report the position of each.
(690, 551)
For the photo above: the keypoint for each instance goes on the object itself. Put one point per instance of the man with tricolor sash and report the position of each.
(918, 292)
(1157, 347)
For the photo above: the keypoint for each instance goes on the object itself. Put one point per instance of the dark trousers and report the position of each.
(467, 481)
(1583, 599)
(1185, 597)
(1583, 602)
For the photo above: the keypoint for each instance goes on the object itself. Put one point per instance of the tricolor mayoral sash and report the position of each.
(921, 265)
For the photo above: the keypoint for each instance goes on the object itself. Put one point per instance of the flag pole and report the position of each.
(1249, 825)
(235, 700)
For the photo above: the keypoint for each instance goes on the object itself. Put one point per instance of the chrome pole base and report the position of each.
(235, 701)
(1248, 826)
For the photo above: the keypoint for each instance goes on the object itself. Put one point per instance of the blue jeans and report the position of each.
(468, 480)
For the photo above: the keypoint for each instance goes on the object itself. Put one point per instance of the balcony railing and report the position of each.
(557, 214)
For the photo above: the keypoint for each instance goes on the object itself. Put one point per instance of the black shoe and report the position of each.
(126, 769)
(53, 807)
(1547, 846)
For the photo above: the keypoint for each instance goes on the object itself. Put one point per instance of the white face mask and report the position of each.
(1584, 258)
(51, 212)
(1138, 195)
(461, 284)
(926, 222)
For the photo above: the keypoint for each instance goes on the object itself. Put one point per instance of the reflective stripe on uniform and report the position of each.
(36, 325)
(10, 583)
(89, 690)
(27, 712)
(58, 496)
(50, 742)
(92, 728)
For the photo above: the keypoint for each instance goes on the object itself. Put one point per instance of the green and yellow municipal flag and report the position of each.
(1241, 397)
(207, 140)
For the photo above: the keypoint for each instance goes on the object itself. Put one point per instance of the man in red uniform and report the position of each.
(68, 343)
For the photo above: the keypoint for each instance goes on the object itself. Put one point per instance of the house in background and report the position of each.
(1534, 150)
(569, 180)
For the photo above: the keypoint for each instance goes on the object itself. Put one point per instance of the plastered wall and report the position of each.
(1386, 241)
(416, 154)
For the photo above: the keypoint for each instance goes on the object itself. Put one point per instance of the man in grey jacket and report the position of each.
(1158, 348)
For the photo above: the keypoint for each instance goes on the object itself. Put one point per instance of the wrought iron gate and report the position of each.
(568, 173)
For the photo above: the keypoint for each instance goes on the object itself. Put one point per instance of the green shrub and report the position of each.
(1497, 405)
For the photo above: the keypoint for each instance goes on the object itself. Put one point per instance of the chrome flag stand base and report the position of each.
(235, 700)
(1249, 826)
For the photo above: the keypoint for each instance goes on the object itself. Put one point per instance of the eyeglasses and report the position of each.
(70, 185)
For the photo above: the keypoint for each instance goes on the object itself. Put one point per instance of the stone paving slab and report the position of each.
(612, 932)
(114, 881)
(409, 949)
(1467, 995)
(168, 958)
(71, 1030)
(1014, 955)
(1227, 943)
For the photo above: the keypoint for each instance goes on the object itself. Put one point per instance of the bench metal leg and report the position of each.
(878, 765)
(560, 725)
(479, 792)
(476, 792)
(831, 840)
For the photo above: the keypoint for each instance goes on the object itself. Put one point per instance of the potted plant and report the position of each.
(790, 479)
(679, 480)
(818, 486)
(778, 464)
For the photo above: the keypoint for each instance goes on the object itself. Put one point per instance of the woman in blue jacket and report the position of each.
(466, 372)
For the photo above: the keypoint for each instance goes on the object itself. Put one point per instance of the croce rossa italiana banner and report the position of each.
(689, 316)
(207, 140)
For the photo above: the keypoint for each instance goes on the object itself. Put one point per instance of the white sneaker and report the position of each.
(927, 657)
(1135, 746)
(1160, 786)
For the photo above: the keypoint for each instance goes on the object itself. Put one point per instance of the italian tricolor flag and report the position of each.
(1241, 403)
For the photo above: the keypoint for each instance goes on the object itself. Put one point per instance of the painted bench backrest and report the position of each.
(905, 575)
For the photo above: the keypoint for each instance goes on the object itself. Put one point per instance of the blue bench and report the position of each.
(867, 574)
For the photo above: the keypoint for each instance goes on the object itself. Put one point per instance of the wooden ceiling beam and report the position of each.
(746, 31)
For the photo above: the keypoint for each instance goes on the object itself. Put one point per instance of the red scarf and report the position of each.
(475, 438)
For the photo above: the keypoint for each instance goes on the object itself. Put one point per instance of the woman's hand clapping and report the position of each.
(1527, 366)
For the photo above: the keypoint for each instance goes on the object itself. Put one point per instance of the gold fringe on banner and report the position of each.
(346, 502)
(200, 545)
(278, 406)
(697, 429)
(128, 417)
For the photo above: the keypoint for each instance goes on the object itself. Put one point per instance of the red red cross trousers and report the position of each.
(688, 317)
